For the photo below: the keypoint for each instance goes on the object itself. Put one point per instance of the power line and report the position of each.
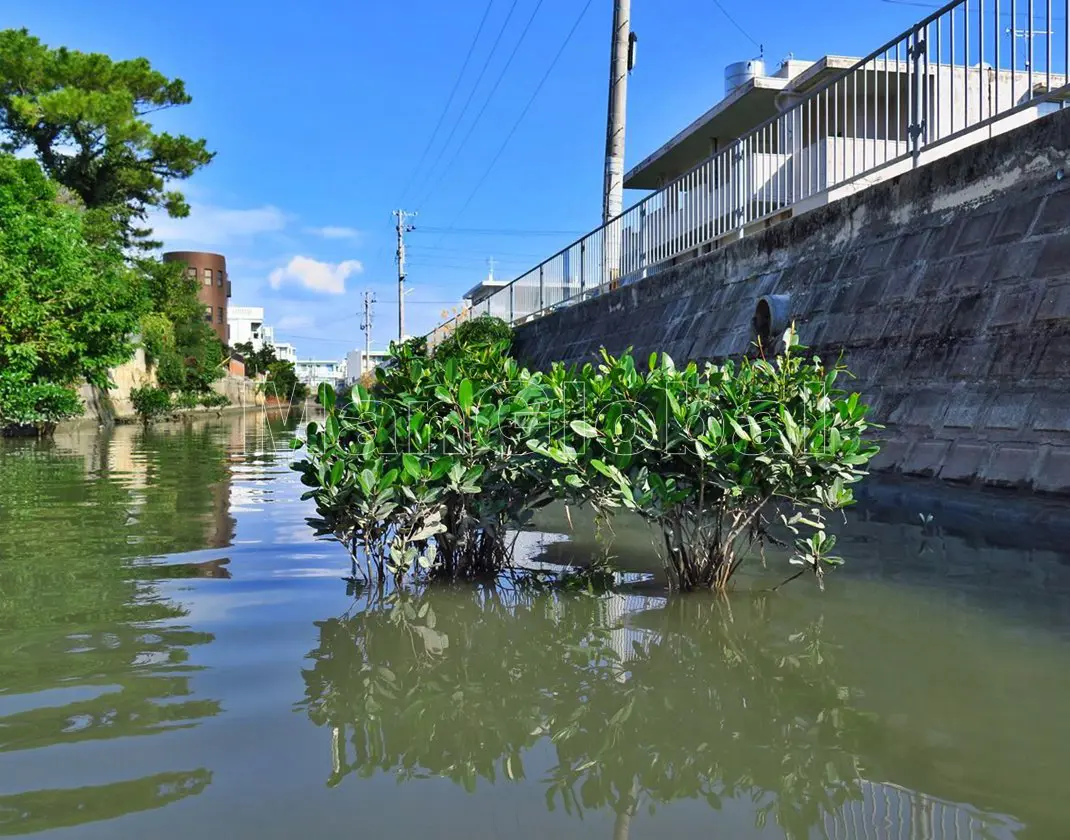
(449, 101)
(422, 250)
(735, 23)
(456, 231)
(471, 93)
(524, 112)
(486, 102)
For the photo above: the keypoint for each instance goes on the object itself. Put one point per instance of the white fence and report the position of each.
(970, 70)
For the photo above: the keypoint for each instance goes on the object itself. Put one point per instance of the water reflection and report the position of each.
(40, 810)
(639, 702)
(90, 648)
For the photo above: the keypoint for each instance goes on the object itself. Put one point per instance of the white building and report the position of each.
(314, 372)
(247, 326)
(359, 363)
(286, 352)
(779, 144)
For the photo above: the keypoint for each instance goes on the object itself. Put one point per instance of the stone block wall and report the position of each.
(947, 290)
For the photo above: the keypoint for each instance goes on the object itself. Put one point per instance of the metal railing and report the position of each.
(970, 70)
(888, 812)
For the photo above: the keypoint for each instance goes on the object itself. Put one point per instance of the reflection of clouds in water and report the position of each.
(311, 572)
(220, 606)
(301, 534)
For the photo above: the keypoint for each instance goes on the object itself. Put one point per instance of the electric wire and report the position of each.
(449, 101)
(471, 94)
(482, 110)
(523, 113)
(735, 23)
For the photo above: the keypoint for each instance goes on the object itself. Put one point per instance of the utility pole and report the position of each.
(402, 228)
(620, 64)
(366, 325)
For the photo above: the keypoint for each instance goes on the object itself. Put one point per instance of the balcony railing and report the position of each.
(969, 71)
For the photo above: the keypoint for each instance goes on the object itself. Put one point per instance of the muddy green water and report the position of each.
(179, 658)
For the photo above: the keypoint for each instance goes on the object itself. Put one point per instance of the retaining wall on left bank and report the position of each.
(113, 405)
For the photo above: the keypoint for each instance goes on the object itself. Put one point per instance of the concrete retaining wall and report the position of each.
(114, 405)
(947, 289)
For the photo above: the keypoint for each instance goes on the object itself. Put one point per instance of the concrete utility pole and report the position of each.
(366, 325)
(620, 63)
(402, 228)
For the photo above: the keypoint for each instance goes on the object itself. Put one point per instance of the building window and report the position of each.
(219, 278)
(208, 314)
(208, 277)
(219, 315)
(191, 273)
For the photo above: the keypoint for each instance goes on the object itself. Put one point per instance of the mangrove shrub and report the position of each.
(445, 457)
(712, 456)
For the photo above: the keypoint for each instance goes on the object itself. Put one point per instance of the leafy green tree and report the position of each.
(84, 116)
(256, 361)
(282, 382)
(67, 309)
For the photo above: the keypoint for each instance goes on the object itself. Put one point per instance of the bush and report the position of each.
(27, 403)
(432, 469)
(187, 400)
(151, 402)
(282, 383)
(483, 331)
(706, 455)
(431, 473)
(213, 399)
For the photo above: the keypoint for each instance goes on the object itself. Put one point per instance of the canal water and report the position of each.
(180, 658)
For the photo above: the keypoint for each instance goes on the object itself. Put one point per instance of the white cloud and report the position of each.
(210, 225)
(335, 232)
(316, 276)
(295, 322)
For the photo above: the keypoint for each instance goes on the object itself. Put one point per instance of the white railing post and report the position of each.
(916, 88)
(642, 235)
(739, 186)
(583, 265)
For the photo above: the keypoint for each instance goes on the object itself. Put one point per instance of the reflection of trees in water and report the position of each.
(706, 705)
(42, 810)
(79, 616)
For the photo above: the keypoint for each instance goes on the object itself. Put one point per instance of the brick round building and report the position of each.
(213, 285)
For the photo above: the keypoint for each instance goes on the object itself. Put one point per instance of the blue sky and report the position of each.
(319, 112)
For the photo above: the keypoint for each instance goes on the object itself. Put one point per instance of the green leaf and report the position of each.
(464, 395)
(738, 429)
(584, 429)
(411, 464)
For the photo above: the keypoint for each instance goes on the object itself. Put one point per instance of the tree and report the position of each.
(67, 308)
(84, 117)
(282, 382)
(256, 361)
